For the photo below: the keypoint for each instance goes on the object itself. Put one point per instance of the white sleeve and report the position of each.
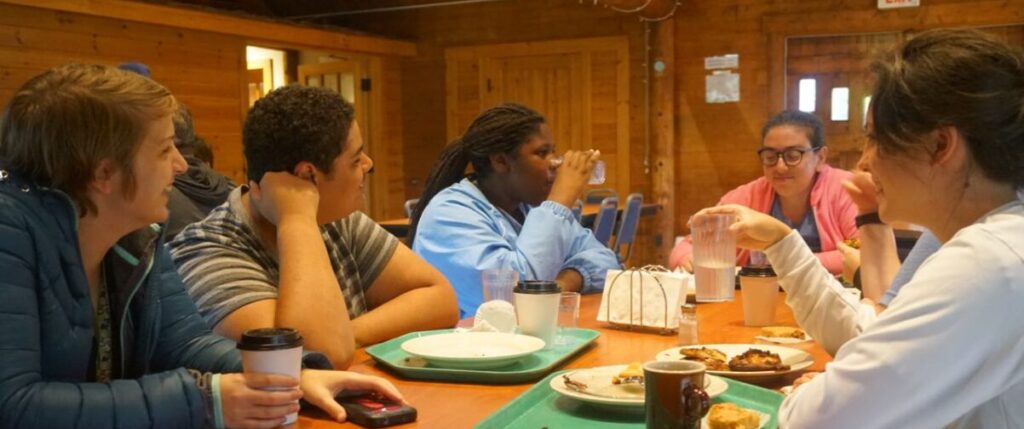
(821, 306)
(950, 342)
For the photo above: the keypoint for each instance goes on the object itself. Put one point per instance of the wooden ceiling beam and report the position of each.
(257, 31)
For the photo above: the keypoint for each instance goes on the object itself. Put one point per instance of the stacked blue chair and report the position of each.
(410, 205)
(604, 225)
(628, 226)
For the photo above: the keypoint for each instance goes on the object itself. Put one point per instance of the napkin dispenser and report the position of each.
(643, 298)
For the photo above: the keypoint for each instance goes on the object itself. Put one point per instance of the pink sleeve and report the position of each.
(680, 253)
(832, 260)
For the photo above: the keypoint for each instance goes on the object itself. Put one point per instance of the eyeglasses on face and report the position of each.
(791, 156)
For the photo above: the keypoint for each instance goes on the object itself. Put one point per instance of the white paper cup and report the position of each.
(537, 309)
(273, 351)
(760, 289)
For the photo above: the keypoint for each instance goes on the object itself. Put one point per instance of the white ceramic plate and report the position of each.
(599, 380)
(796, 359)
(785, 341)
(765, 418)
(473, 350)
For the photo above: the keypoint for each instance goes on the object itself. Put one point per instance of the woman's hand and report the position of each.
(245, 406)
(753, 229)
(807, 376)
(861, 189)
(572, 176)
(320, 388)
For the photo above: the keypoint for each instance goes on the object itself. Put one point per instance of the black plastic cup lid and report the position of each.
(757, 271)
(537, 287)
(265, 339)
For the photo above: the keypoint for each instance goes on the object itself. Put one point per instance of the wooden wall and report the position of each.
(200, 57)
(203, 70)
(434, 30)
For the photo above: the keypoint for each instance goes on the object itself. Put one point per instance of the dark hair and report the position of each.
(292, 124)
(501, 129)
(960, 78)
(202, 151)
(60, 124)
(184, 131)
(808, 121)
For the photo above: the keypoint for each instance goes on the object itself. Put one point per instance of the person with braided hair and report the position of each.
(513, 212)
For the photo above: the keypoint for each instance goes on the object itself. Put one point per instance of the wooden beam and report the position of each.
(255, 30)
(663, 89)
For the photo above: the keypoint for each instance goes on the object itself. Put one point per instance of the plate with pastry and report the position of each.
(784, 336)
(473, 350)
(619, 386)
(742, 361)
(727, 415)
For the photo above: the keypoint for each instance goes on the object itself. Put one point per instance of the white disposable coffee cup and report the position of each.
(760, 289)
(273, 351)
(537, 309)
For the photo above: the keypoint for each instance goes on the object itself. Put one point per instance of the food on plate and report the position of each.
(632, 374)
(783, 332)
(573, 384)
(852, 242)
(712, 358)
(757, 360)
(731, 416)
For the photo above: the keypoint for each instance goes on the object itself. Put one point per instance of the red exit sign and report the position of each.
(893, 4)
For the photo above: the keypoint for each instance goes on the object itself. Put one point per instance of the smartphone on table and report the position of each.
(373, 410)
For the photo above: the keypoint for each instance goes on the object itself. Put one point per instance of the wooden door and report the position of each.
(349, 79)
(580, 86)
(834, 63)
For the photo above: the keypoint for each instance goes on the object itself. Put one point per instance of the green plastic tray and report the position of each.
(533, 367)
(542, 407)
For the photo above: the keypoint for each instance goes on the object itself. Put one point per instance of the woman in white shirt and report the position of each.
(946, 151)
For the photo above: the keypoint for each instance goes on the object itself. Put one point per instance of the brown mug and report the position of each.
(674, 396)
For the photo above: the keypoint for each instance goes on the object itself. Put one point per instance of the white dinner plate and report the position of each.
(473, 350)
(797, 360)
(599, 381)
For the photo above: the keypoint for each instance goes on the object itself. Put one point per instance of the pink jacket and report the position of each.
(833, 210)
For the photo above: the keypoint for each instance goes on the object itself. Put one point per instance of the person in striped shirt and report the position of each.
(292, 249)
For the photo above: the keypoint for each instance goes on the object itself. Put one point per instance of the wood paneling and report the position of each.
(272, 32)
(203, 70)
(200, 57)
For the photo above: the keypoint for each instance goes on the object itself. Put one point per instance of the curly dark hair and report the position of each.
(292, 124)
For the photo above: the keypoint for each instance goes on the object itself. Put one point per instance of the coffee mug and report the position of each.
(674, 396)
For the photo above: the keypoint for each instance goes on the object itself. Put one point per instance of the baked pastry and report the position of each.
(632, 374)
(852, 242)
(731, 416)
(783, 332)
(712, 358)
(757, 360)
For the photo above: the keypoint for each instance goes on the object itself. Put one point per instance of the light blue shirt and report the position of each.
(926, 245)
(807, 227)
(461, 234)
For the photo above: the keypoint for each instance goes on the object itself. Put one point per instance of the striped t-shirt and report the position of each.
(225, 266)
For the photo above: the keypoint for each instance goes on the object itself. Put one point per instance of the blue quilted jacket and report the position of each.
(46, 325)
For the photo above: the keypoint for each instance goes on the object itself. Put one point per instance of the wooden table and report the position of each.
(455, 405)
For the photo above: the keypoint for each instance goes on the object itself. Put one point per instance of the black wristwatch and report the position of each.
(867, 219)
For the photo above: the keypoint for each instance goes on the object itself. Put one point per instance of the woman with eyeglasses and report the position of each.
(798, 188)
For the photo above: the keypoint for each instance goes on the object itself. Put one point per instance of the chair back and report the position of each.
(595, 196)
(604, 224)
(628, 226)
(410, 205)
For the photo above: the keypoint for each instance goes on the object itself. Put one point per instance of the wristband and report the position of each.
(867, 219)
(218, 409)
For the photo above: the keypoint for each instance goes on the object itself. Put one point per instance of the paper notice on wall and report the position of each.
(727, 61)
(722, 86)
